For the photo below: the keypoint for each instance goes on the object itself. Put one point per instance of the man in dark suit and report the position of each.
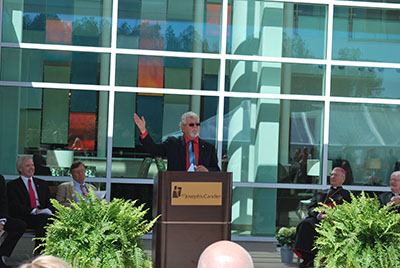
(186, 152)
(305, 232)
(392, 198)
(15, 228)
(29, 198)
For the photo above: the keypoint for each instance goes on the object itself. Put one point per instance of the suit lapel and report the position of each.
(22, 186)
(182, 150)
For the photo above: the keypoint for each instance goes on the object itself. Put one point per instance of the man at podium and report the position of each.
(184, 153)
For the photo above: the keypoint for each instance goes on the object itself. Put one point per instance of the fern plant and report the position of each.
(98, 234)
(359, 234)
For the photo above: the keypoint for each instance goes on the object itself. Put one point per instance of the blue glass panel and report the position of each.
(366, 34)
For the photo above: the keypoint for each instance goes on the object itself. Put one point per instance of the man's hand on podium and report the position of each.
(201, 168)
(140, 123)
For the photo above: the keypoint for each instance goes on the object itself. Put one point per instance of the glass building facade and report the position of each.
(285, 90)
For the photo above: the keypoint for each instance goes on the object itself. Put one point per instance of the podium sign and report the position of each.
(196, 193)
(196, 212)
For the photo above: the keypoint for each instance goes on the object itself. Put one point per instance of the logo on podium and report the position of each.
(196, 193)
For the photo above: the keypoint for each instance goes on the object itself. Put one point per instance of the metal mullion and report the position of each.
(328, 73)
(111, 97)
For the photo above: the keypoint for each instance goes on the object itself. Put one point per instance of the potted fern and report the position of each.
(98, 233)
(359, 234)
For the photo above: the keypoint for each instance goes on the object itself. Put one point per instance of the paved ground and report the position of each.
(264, 254)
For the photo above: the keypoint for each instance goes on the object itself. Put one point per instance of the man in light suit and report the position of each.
(15, 228)
(29, 199)
(67, 190)
(179, 150)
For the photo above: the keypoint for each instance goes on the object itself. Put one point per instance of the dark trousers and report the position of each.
(38, 222)
(305, 237)
(15, 228)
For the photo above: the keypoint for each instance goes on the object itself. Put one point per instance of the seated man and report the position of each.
(305, 233)
(15, 228)
(67, 190)
(224, 254)
(392, 198)
(29, 199)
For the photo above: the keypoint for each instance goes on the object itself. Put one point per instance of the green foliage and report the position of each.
(286, 236)
(99, 234)
(359, 234)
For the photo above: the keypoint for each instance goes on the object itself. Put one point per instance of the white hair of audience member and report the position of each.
(46, 262)
(224, 254)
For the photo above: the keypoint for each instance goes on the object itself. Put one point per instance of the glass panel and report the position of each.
(167, 72)
(261, 212)
(367, 143)
(56, 127)
(367, 82)
(174, 25)
(162, 114)
(275, 141)
(277, 29)
(359, 34)
(30, 65)
(76, 22)
(275, 78)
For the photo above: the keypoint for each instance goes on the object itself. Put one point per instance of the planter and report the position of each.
(286, 254)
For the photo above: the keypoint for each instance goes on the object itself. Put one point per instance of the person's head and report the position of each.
(77, 170)
(395, 182)
(46, 262)
(25, 166)
(224, 254)
(190, 125)
(338, 176)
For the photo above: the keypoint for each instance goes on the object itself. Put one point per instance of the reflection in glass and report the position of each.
(56, 127)
(176, 25)
(167, 72)
(162, 114)
(274, 78)
(277, 29)
(273, 141)
(366, 82)
(30, 65)
(365, 137)
(360, 33)
(79, 22)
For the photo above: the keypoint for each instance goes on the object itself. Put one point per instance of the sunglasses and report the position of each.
(193, 124)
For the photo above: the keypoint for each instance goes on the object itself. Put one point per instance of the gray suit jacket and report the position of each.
(66, 192)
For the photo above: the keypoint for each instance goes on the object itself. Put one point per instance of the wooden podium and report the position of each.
(196, 212)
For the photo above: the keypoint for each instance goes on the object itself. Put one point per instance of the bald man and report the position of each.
(224, 254)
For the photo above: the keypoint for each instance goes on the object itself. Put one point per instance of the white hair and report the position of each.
(187, 115)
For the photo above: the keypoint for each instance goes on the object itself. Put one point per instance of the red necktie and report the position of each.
(32, 194)
(84, 190)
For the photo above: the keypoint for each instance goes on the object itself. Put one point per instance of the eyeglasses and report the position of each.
(193, 124)
(395, 179)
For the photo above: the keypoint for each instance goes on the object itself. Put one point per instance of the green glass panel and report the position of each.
(275, 78)
(273, 141)
(77, 22)
(366, 82)
(162, 113)
(31, 65)
(365, 136)
(167, 72)
(366, 34)
(175, 25)
(277, 29)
